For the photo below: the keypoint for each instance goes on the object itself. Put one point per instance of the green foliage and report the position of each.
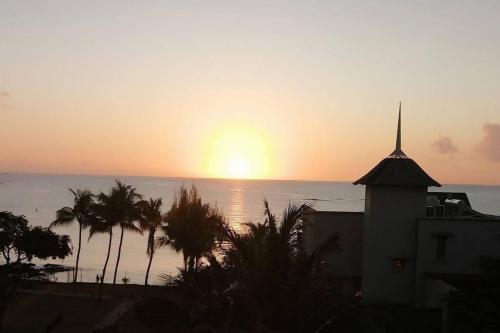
(150, 220)
(27, 242)
(263, 280)
(475, 306)
(82, 211)
(125, 200)
(118, 208)
(43, 243)
(12, 227)
(192, 227)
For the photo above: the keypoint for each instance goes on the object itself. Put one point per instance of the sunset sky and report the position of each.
(258, 89)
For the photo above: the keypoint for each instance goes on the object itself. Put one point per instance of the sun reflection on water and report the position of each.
(236, 209)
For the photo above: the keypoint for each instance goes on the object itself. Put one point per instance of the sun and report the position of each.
(238, 152)
(239, 167)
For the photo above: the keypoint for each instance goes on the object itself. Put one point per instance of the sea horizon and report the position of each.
(39, 196)
(220, 178)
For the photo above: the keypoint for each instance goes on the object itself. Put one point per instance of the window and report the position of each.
(398, 265)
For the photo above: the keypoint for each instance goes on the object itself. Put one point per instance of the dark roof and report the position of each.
(397, 172)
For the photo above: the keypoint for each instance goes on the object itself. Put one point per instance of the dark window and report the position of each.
(440, 211)
(441, 247)
(431, 211)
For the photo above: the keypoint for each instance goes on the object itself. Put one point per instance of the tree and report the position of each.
(106, 219)
(263, 279)
(126, 199)
(43, 244)
(119, 207)
(191, 227)
(82, 212)
(150, 220)
(256, 280)
(11, 228)
(474, 305)
(27, 242)
(279, 279)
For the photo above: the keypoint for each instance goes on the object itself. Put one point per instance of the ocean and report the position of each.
(38, 197)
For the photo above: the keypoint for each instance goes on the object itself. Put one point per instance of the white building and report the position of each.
(408, 241)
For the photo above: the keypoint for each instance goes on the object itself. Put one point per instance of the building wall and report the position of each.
(466, 241)
(389, 234)
(394, 227)
(349, 226)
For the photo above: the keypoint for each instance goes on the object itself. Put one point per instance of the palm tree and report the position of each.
(191, 227)
(150, 220)
(82, 212)
(264, 276)
(274, 271)
(128, 212)
(107, 217)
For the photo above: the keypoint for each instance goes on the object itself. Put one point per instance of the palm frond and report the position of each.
(292, 215)
(64, 216)
(329, 246)
(99, 227)
(270, 218)
(161, 241)
(131, 227)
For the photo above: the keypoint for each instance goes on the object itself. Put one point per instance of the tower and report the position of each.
(395, 198)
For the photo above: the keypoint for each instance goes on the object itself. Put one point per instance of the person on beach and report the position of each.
(97, 278)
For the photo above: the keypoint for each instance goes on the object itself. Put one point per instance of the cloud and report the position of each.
(444, 145)
(490, 145)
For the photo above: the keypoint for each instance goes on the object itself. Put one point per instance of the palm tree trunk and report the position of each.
(191, 264)
(75, 273)
(147, 274)
(106, 262)
(118, 258)
(151, 253)
(75, 276)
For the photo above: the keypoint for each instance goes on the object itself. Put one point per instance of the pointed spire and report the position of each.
(398, 136)
(398, 153)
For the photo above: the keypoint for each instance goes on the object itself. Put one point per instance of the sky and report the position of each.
(249, 89)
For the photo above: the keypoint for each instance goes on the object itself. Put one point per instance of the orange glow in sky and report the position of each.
(249, 89)
(237, 152)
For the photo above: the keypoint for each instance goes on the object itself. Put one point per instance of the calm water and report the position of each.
(39, 196)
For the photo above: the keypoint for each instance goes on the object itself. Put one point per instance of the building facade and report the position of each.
(408, 241)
